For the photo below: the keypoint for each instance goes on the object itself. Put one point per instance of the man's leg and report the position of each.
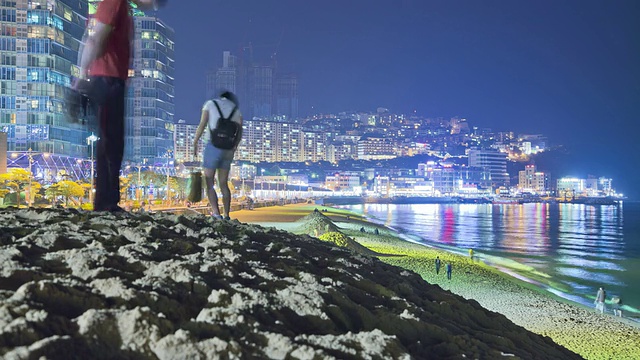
(209, 175)
(115, 151)
(110, 147)
(223, 183)
(100, 198)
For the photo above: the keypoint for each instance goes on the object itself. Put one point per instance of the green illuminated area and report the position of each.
(579, 329)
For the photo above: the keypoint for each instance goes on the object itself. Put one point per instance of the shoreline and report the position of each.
(511, 273)
(570, 324)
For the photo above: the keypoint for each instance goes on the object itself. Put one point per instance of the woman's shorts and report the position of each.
(215, 158)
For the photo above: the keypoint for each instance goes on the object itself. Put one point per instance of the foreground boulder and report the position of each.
(79, 285)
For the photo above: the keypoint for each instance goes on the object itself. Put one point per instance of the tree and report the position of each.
(86, 187)
(175, 189)
(68, 189)
(148, 177)
(52, 193)
(15, 181)
(125, 182)
(179, 186)
(4, 192)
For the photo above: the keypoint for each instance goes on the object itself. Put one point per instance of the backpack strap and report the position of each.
(235, 107)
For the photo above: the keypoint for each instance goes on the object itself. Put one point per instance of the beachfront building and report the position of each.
(530, 180)
(494, 164)
(570, 187)
(411, 186)
(573, 187)
(38, 48)
(382, 186)
(449, 179)
(348, 181)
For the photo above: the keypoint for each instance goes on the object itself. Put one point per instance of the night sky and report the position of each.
(566, 69)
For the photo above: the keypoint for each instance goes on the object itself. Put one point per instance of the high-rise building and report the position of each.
(225, 77)
(287, 96)
(262, 91)
(271, 141)
(150, 101)
(494, 163)
(39, 42)
(184, 135)
(314, 146)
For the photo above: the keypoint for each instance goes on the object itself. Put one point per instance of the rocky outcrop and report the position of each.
(80, 285)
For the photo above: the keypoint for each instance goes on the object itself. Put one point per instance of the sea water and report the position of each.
(567, 249)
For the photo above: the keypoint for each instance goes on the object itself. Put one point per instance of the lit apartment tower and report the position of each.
(183, 141)
(494, 163)
(38, 44)
(315, 146)
(375, 147)
(150, 101)
(287, 96)
(271, 141)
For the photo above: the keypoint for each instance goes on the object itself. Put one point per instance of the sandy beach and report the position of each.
(580, 329)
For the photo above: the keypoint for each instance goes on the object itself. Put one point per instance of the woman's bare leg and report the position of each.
(209, 176)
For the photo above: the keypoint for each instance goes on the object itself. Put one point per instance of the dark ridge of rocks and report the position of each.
(82, 285)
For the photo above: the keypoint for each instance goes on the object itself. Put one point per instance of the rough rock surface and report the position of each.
(80, 285)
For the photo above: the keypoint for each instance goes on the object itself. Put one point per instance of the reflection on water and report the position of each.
(576, 248)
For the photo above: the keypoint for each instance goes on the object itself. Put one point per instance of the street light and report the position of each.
(30, 202)
(144, 162)
(90, 140)
(169, 151)
(242, 176)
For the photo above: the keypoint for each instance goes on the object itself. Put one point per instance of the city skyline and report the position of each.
(569, 74)
(563, 69)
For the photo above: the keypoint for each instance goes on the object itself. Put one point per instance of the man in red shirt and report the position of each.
(104, 62)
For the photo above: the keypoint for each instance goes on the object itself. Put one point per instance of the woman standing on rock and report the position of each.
(224, 121)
